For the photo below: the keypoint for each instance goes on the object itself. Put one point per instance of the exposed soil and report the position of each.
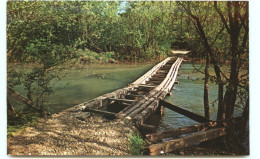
(71, 133)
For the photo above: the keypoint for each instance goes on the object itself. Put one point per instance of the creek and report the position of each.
(81, 85)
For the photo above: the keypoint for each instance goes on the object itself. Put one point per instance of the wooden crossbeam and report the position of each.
(146, 86)
(99, 112)
(159, 75)
(138, 91)
(184, 112)
(122, 100)
(134, 95)
(162, 71)
(201, 136)
(154, 82)
(156, 79)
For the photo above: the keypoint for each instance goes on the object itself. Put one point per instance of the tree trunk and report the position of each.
(221, 109)
(244, 120)
(230, 96)
(206, 89)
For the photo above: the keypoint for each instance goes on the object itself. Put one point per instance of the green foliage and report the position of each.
(136, 144)
(88, 56)
(124, 30)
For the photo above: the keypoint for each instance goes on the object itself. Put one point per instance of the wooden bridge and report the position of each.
(135, 103)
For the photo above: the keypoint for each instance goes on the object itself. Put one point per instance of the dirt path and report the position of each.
(71, 133)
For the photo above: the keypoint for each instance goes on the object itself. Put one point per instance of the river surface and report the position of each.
(81, 85)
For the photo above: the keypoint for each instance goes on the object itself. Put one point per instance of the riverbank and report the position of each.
(71, 133)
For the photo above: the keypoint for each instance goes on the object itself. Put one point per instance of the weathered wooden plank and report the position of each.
(184, 112)
(169, 76)
(156, 79)
(165, 67)
(99, 112)
(140, 106)
(154, 82)
(146, 86)
(138, 91)
(137, 110)
(122, 100)
(134, 95)
(185, 130)
(162, 71)
(151, 72)
(168, 146)
(140, 118)
(160, 74)
(129, 109)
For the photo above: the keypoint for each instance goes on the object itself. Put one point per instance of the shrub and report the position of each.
(136, 144)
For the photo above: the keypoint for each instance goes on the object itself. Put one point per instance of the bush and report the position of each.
(89, 56)
(136, 144)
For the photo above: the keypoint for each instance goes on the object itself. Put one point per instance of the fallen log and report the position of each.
(21, 98)
(185, 130)
(10, 108)
(168, 146)
(184, 112)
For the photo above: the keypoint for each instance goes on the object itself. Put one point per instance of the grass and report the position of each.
(19, 121)
(136, 144)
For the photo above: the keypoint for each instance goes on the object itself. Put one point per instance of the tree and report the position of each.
(236, 24)
(219, 50)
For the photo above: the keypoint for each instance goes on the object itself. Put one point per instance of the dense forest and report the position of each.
(46, 35)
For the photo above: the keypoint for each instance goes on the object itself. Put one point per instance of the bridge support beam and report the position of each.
(184, 112)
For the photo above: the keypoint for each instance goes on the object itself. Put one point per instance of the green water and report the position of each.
(83, 87)
(80, 86)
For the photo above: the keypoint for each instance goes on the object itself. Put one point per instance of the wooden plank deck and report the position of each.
(146, 105)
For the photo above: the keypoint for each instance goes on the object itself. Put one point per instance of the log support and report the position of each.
(184, 112)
